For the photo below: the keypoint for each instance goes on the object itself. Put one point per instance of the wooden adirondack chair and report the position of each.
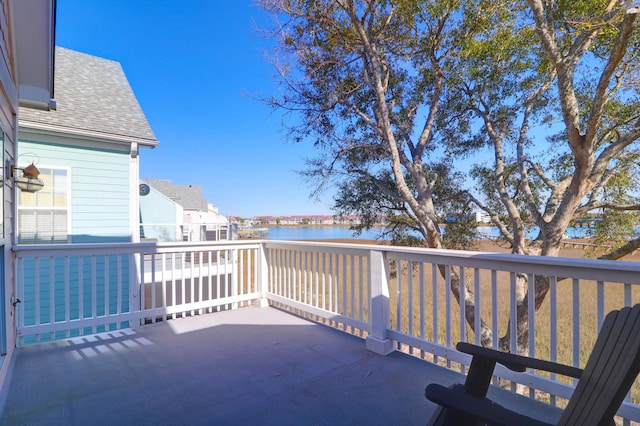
(610, 372)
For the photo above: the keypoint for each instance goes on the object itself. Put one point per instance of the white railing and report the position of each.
(400, 298)
(403, 295)
(70, 290)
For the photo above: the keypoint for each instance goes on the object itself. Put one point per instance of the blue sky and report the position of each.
(191, 64)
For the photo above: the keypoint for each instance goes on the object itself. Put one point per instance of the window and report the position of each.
(43, 215)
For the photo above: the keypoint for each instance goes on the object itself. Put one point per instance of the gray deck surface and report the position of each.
(247, 366)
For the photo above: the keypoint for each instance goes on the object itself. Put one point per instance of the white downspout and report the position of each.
(134, 194)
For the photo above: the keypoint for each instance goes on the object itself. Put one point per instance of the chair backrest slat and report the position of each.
(610, 371)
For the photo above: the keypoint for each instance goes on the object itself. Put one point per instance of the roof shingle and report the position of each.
(92, 95)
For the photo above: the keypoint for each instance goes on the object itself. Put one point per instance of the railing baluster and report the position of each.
(94, 290)
(352, 285)
(183, 284)
(531, 314)
(119, 283)
(448, 321)
(67, 295)
(410, 297)
(434, 295)
(153, 284)
(576, 324)
(192, 277)
(305, 277)
(52, 295)
(174, 292)
(513, 306)
(324, 280)
(163, 283)
(200, 285)
(553, 328)
(422, 306)
(81, 287)
(21, 296)
(361, 287)
(463, 305)
(107, 293)
(318, 277)
(399, 281)
(532, 320)
(494, 308)
(233, 258)
(476, 302)
(330, 283)
(218, 275)
(36, 292)
(344, 284)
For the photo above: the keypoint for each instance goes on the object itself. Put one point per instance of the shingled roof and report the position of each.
(93, 99)
(188, 196)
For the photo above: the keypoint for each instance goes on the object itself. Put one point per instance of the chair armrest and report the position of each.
(479, 409)
(518, 362)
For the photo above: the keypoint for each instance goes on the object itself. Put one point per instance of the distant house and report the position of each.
(173, 212)
(481, 216)
(87, 153)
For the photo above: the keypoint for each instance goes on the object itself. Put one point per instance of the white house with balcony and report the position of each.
(170, 212)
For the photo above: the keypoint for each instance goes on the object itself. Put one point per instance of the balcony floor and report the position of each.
(247, 366)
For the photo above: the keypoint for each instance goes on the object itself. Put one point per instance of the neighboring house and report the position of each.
(190, 218)
(161, 217)
(27, 30)
(481, 216)
(87, 153)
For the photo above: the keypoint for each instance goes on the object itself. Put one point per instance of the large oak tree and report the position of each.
(384, 88)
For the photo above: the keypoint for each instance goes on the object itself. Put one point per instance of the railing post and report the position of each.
(379, 309)
(262, 277)
(136, 283)
(235, 270)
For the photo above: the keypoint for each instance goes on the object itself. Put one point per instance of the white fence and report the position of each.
(398, 297)
(71, 290)
(404, 295)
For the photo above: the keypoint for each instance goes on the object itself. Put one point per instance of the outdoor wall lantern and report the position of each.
(27, 180)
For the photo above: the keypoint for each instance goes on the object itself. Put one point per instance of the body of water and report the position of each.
(342, 232)
(319, 233)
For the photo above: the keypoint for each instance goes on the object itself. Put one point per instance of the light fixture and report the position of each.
(28, 180)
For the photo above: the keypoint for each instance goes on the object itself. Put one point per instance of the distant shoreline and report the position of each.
(316, 225)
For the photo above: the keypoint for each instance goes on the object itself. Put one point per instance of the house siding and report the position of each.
(86, 284)
(8, 108)
(160, 217)
(100, 206)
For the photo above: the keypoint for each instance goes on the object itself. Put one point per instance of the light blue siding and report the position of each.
(109, 286)
(100, 182)
(158, 217)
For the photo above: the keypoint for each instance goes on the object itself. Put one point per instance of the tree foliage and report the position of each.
(420, 109)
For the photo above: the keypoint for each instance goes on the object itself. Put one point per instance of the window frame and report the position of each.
(66, 208)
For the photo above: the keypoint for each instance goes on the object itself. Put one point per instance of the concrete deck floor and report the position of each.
(252, 365)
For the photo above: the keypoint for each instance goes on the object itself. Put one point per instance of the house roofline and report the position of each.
(34, 25)
(62, 131)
